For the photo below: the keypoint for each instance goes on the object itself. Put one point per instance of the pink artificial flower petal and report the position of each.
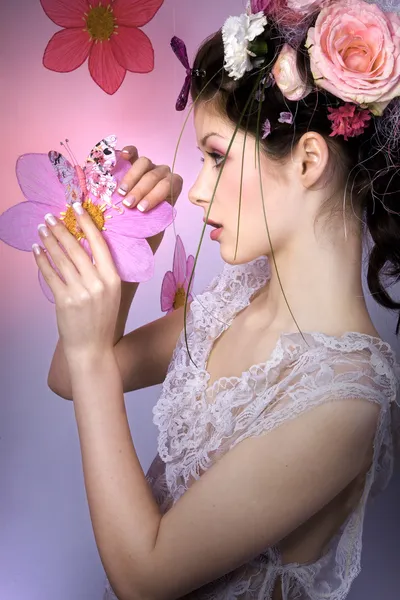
(65, 13)
(67, 50)
(18, 224)
(179, 263)
(168, 291)
(189, 269)
(133, 50)
(135, 13)
(132, 257)
(104, 68)
(38, 180)
(141, 225)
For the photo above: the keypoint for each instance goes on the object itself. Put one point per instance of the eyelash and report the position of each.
(215, 157)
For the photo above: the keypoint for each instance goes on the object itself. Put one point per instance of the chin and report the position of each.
(242, 257)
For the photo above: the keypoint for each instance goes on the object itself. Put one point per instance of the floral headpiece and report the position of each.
(353, 47)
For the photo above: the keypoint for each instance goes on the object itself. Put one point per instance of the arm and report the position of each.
(153, 557)
(143, 355)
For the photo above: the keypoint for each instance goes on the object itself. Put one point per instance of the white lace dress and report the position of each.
(198, 424)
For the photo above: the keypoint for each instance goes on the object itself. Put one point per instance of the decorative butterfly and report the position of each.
(94, 177)
(179, 48)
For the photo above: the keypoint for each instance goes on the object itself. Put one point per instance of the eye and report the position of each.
(217, 158)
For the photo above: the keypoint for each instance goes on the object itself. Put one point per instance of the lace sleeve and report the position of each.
(317, 377)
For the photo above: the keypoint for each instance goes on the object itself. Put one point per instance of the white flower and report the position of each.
(237, 32)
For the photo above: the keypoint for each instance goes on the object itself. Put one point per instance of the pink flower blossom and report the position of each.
(105, 31)
(304, 6)
(287, 76)
(354, 51)
(348, 120)
(175, 284)
(286, 117)
(266, 129)
(125, 230)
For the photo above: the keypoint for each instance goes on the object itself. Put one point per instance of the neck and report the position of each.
(322, 284)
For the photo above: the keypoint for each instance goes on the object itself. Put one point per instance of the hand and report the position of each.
(146, 185)
(88, 300)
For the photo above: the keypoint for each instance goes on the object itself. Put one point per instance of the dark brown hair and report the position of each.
(368, 167)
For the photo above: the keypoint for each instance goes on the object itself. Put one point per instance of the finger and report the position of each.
(162, 191)
(76, 255)
(141, 166)
(147, 183)
(57, 286)
(98, 245)
(58, 256)
(130, 153)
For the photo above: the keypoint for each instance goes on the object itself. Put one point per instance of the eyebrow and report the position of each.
(208, 135)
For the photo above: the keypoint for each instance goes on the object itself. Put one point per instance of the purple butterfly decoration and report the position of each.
(179, 48)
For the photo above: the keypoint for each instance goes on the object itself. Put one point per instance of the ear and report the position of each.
(313, 155)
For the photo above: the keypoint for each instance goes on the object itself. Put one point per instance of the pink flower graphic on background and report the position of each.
(106, 31)
(174, 288)
(125, 230)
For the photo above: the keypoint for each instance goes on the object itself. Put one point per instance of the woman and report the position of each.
(277, 412)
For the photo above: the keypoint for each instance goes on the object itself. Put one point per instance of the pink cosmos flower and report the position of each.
(175, 284)
(348, 120)
(125, 230)
(354, 51)
(107, 32)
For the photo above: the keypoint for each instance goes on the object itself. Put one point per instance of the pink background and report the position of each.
(47, 550)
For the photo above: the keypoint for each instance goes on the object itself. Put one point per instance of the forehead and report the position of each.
(207, 119)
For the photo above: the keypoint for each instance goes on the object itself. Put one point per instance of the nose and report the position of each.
(200, 193)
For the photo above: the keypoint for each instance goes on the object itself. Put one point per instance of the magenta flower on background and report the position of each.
(106, 31)
(174, 288)
(125, 230)
(348, 120)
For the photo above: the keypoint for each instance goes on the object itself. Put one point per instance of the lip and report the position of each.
(212, 223)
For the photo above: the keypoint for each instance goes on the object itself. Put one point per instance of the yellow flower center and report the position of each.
(180, 297)
(100, 22)
(95, 211)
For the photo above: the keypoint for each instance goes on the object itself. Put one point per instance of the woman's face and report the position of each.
(282, 192)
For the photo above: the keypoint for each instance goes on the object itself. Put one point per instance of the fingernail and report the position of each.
(36, 249)
(129, 201)
(78, 208)
(143, 204)
(50, 219)
(125, 151)
(122, 189)
(43, 230)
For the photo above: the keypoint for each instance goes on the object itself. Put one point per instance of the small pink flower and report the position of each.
(286, 117)
(304, 6)
(287, 76)
(266, 129)
(175, 284)
(354, 51)
(106, 32)
(348, 120)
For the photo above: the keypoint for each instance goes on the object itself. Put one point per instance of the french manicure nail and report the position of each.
(50, 219)
(43, 230)
(77, 206)
(143, 204)
(36, 249)
(128, 201)
(122, 189)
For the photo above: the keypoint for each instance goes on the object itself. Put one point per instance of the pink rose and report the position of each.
(257, 6)
(304, 6)
(287, 76)
(354, 53)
